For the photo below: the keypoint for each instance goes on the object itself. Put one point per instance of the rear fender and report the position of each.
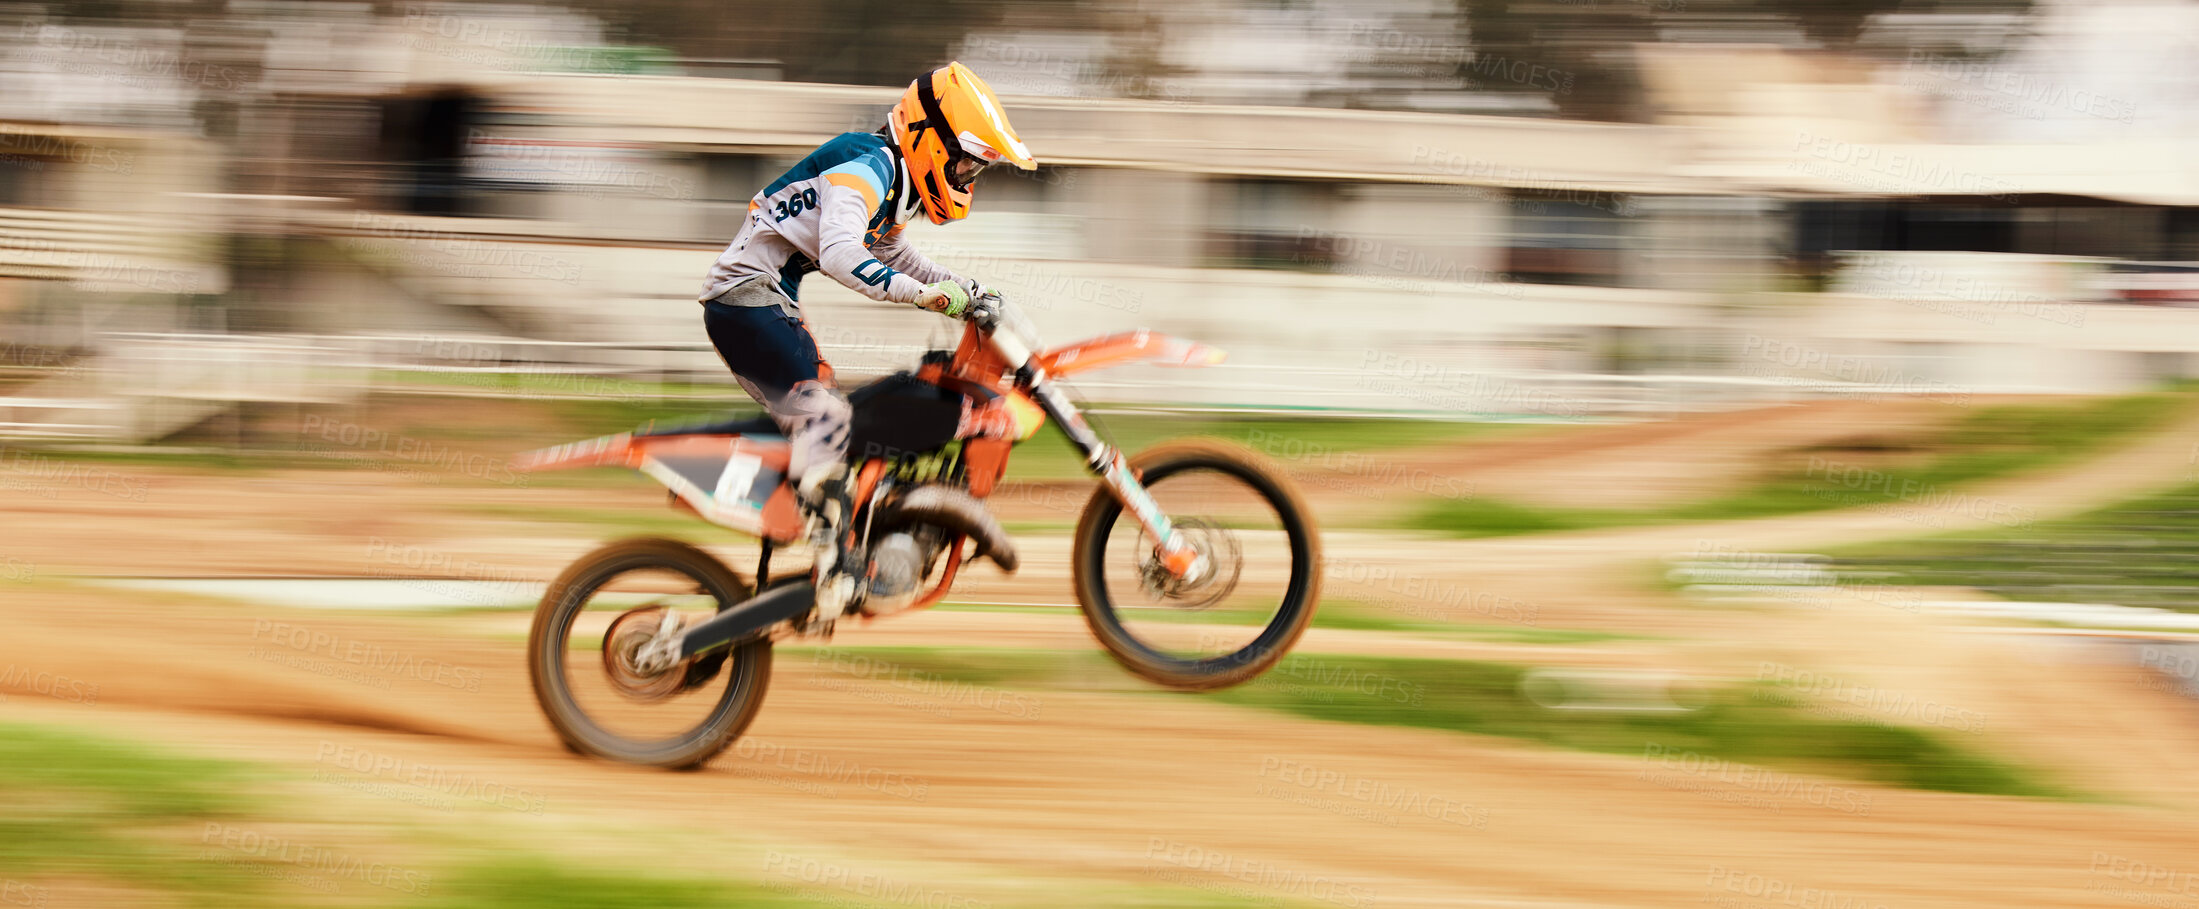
(732, 480)
(606, 451)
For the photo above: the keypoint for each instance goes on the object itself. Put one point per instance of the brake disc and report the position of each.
(1224, 564)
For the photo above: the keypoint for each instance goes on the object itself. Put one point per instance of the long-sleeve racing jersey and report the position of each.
(839, 211)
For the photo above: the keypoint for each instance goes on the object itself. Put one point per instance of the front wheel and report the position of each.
(593, 621)
(1238, 618)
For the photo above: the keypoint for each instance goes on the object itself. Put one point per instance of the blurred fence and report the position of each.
(147, 385)
(144, 386)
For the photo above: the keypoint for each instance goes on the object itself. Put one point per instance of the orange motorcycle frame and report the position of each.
(1009, 402)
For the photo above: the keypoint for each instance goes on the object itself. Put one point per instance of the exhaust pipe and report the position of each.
(955, 510)
(748, 618)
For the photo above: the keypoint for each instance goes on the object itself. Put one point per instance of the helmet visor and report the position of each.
(963, 170)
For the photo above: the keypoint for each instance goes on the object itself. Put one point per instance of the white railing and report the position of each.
(146, 384)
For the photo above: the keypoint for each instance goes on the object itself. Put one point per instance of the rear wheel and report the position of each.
(592, 623)
(1238, 618)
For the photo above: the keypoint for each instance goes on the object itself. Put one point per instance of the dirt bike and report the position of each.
(1194, 563)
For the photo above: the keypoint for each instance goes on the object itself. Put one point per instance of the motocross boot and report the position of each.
(826, 502)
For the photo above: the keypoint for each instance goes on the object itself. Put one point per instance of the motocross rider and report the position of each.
(841, 211)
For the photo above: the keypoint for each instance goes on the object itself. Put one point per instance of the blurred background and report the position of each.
(1753, 441)
(1599, 203)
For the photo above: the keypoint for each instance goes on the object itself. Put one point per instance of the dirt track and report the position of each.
(1080, 784)
(1138, 788)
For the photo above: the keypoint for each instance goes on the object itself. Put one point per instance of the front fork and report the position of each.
(1172, 547)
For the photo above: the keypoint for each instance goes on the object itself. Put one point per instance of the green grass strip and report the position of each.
(1989, 442)
(1759, 724)
(2144, 553)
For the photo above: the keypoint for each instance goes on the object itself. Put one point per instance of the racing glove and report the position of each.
(947, 298)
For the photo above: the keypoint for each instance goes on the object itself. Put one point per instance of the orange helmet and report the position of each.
(949, 127)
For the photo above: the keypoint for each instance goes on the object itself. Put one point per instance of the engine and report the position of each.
(913, 529)
(898, 564)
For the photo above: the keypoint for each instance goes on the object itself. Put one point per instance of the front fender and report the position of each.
(1128, 347)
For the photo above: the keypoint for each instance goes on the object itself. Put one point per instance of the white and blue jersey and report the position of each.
(839, 211)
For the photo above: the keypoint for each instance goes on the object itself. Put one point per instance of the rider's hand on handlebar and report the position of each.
(984, 306)
(947, 298)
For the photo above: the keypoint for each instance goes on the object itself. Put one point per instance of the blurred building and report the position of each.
(1776, 222)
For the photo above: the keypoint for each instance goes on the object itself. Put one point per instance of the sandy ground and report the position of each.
(1132, 787)
(994, 797)
(1638, 465)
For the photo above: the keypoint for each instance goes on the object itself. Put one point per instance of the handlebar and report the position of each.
(985, 309)
(1009, 333)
